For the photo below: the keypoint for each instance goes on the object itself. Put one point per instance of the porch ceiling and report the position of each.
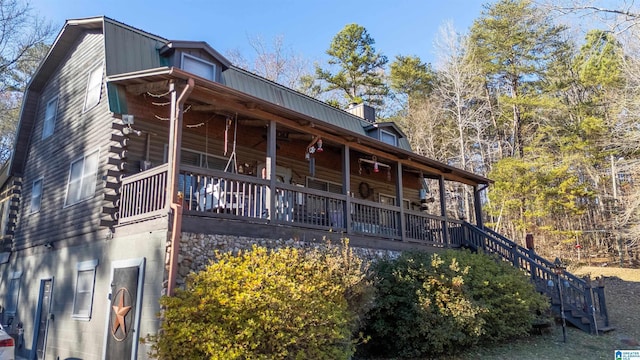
(214, 97)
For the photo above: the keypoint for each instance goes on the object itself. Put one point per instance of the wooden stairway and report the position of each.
(581, 300)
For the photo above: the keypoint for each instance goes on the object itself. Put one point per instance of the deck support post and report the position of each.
(477, 204)
(346, 187)
(400, 196)
(443, 211)
(270, 166)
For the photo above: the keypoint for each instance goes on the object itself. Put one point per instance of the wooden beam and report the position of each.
(206, 108)
(153, 87)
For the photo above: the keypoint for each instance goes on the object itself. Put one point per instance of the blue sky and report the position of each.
(400, 27)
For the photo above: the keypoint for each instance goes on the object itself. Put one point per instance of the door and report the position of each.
(123, 310)
(43, 312)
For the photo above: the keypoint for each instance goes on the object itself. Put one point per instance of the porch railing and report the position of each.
(143, 195)
(217, 193)
(223, 193)
(309, 207)
(375, 219)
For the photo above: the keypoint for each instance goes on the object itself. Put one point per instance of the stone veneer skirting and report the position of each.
(197, 250)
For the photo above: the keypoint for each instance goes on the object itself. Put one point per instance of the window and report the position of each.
(387, 199)
(85, 284)
(82, 179)
(36, 196)
(199, 67)
(324, 185)
(13, 293)
(94, 89)
(50, 118)
(388, 137)
(4, 216)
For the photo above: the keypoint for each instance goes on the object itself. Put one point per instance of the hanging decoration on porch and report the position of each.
(365, 190)
(373, 165)
(232, 158)
(315, 146)
(226, 134)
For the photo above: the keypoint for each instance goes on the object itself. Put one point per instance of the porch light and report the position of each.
(319, 146)
(376, 168)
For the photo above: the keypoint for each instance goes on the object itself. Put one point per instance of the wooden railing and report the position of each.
(222, 194)
(143, 195)
(375, 219)
(584, 303)
(309, 207)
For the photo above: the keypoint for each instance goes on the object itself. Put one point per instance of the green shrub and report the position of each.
(430, 304)
(421, 308)
(511, 301)
(262, 304)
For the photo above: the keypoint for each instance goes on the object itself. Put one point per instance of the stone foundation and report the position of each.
(197, 250)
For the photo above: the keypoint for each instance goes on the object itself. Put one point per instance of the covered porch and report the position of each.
(235, 156)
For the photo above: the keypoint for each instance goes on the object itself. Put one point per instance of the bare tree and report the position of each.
(274, 61)
(460, 90)
(23, 39)
(618, 17)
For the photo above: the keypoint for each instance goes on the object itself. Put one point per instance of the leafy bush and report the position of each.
(429, 304)
(263, 304)
(511, 301)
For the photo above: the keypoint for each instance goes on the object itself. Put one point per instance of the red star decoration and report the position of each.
(121, 311)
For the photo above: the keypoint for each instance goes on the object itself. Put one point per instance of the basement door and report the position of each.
(123, 311)
(43, 312)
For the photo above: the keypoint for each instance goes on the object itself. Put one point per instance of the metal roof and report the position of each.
(272, 92)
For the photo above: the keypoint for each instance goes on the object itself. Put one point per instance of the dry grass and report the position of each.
(622, 287)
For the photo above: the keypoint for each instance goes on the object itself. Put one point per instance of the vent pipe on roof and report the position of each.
(363, 111)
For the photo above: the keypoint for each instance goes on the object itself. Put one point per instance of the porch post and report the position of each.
(270, 166)
(478, 206)
(175, 137)
(346, 187)
(443, 212)
(400, 197)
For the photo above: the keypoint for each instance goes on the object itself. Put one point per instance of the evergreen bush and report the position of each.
(430, 304)
(267, 304)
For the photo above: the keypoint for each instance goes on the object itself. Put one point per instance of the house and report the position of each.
(137, 157)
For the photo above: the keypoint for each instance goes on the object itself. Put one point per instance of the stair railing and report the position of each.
(581, 299)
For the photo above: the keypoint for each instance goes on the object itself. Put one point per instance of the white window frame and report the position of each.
(84, 176)
(389, 133)
(36, 196)
(14, 284)
(50, 114)
(84, 267)
(93, 92)
(188, 57)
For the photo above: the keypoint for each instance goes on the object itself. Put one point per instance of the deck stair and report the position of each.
(583, 300)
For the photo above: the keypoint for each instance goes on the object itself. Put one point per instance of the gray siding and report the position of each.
(76, 134)
(80, 339)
